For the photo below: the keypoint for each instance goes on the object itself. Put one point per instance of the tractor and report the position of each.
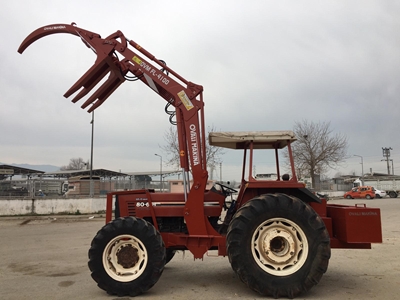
(277, 234)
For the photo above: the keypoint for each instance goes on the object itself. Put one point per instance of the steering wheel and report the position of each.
(226, 189)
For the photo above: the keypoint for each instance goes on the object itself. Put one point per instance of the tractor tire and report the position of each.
(127, 257)
(169, 254)
(278, 245)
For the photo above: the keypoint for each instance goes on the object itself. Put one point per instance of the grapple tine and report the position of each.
(105, 62)
(92, 77)
(107, 88)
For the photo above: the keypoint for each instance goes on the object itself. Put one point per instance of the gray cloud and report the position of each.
(263, 66)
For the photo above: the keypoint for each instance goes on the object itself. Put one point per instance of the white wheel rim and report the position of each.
(125, 258)
(279, 246)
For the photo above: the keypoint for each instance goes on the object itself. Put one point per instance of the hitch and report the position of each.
(106, 62)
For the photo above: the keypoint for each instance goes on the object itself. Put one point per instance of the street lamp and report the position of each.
(161, 181)
(91, 192)
(362, 168)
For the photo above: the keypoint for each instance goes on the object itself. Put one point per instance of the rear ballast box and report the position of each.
(355, 224)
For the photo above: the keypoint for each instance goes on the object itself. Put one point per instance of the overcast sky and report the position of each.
(263, 66)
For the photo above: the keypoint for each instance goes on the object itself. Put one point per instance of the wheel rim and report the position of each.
(125, 258)
(279, 246)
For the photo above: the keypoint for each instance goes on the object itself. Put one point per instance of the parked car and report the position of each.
(380, 193)
(367, 192)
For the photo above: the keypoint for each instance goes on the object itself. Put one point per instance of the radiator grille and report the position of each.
(131, 208)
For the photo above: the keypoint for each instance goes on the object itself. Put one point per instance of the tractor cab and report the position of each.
(249, 142)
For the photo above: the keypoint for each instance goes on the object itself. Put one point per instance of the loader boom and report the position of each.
(185, 96)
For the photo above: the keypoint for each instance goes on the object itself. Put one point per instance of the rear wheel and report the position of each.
(127, 257)
(348, 197)
(368, 196)
(278, 245)
(392, 194)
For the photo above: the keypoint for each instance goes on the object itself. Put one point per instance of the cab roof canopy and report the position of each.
(260, 139)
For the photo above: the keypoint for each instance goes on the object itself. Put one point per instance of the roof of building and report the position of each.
(95, 172)
(9, 170)
(154, 173)
(106, 173)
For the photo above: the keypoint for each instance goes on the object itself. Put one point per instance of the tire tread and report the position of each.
(156, 249)
(240, 257)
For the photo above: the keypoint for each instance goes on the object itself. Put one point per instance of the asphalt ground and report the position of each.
(46, 258)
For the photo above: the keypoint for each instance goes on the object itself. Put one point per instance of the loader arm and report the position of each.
(137, 64)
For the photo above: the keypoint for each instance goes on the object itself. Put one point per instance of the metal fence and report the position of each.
(55, 188)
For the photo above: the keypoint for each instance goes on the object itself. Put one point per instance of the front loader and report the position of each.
(276, 233)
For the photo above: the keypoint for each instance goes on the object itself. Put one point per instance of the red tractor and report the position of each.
(276, 233)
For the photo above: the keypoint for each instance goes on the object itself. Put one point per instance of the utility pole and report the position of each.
(392, 167)
(362, 168)
(161, 179)
(386, 155)
(91, 187)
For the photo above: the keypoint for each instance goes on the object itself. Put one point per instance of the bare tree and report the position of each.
(76, 164)
(317, 149)
(338, 174)
(171, 149)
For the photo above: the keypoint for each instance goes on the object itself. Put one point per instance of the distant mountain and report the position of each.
(44, 168)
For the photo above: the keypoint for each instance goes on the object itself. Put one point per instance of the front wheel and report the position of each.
(278, 245)
(127, 257)
(169, 254)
